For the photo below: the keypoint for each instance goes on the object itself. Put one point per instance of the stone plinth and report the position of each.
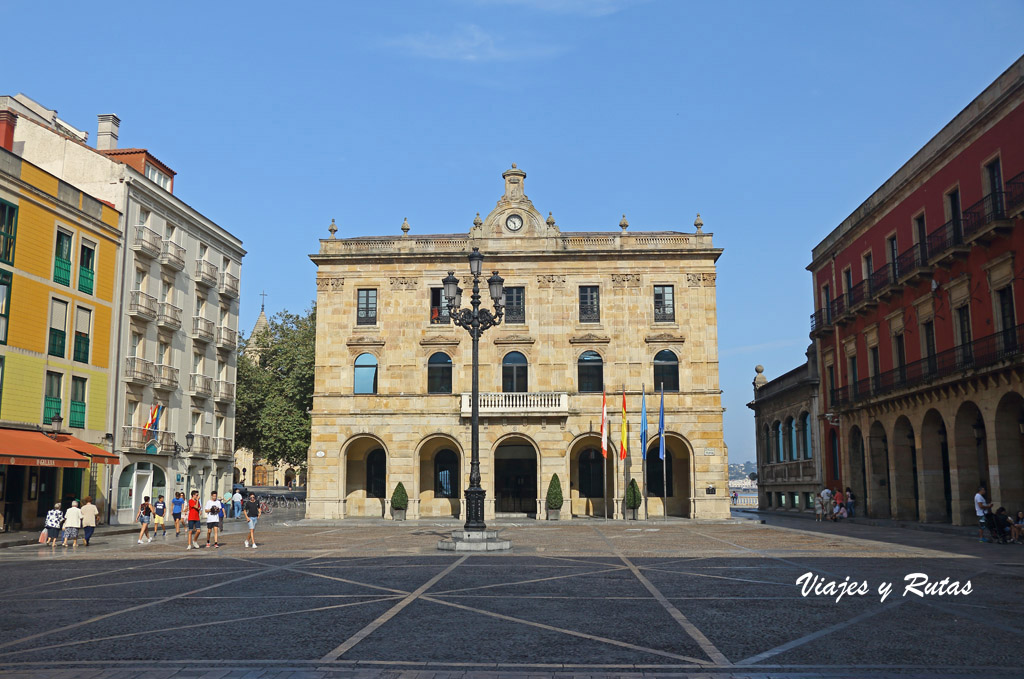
(474, 541)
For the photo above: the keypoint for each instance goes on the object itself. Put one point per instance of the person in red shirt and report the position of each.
(194, 526)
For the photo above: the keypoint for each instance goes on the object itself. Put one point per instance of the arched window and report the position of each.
(777, 441)
(659, 477)
(768, 445)
(591, 473)
(260, 476)
(375, 473)
(446, 474)
(805, 422)
(513, 372)
(666, 371)
(439, 374)
(790, 439)
(590, 370)
(366, 374)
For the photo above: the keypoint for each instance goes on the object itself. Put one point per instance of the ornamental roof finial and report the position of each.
(405, 226)
(699, 223)
(623, 224)
(550, 221)
(332, 228)
(477, 222)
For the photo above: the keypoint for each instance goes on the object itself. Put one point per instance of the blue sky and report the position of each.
(773, 120)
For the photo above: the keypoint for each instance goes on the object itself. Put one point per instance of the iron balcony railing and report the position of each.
(366, 316)
(856, 294)
(664, 314)
(881, 279)
(168, 315)
(515, 313)
(202, 328)
(142, 304)
(147, 241)
(946, 237)
(838, 306)
(200, 385)
(916, 257)
(590, 313)
(439, 315)
(206, 273)
(202, 445)
(223, 391)
(228, 285)
(986, 211)
(138, 370)
(974, 355)
(222, 447)
(821, 319)
(172, 255)
(226, 338)
(1015, 194)
(165, 377)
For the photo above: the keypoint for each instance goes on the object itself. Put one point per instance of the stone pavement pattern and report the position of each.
(589, 599)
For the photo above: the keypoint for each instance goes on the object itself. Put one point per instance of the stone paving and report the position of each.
(572, 599)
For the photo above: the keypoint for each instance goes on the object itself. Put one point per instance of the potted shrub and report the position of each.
(633, 499)
(399, 502)
(554, 499)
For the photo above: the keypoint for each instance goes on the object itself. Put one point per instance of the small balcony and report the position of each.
(664, 314)
(883, 281)
(165, 377)
(946, 243)
(146, 242)
(228, 286)
(226, 338)
(223, 447)
(913, 264)
(202, 329)
(856, 297)
(135, 438)
(172, 255)
(165, 441)
(200, 385)
(223, 391)
(202, 445)
(206, 273)
(512, 404)
(1015, 196)
(138, 370)
(142, 305)
(86, 280)
(590, 313)
(821, 321)
(987, 218)
(515, 313)
(838, 308)
(168, 316)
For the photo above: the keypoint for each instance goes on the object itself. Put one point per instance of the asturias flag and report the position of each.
(604, 425)
(643, 425)
(624, 446)
(154, 418)
(661, 425)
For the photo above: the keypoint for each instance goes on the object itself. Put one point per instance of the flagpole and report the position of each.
(643, 443)
(604, 454)
(664, 454)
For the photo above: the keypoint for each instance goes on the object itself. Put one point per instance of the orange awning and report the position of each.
(95, 453)
(35, 449)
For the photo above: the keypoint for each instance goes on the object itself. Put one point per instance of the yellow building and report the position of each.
(58, 267)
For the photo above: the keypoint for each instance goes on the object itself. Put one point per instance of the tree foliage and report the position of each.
(554, 498)
(275, 389)
(633, 497)
(400, 499)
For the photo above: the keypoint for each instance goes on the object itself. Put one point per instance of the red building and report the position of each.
(918, 299)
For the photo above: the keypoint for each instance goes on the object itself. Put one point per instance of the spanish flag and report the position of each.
(625, 429)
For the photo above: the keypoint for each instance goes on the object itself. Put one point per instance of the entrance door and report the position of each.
(71, 486)
(142, 480)
(14, 493)
(47, 490)
(515, 473)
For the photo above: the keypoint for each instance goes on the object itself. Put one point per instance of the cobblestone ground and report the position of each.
(573, 599)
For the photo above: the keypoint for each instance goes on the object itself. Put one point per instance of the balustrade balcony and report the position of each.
(821, 321)
(227, 338)
(200, 385)
(793, 471)
(223, 391)
(172, 255)
(146, 242)
(142, 305)
(168, 316)
(552, 403)
(202, 329)
(202, 445)
(206, 273)
(228, 285)
(165, 377)
(222, 447)
(138, 370)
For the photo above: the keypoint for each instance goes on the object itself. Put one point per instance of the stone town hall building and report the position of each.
(585, 311)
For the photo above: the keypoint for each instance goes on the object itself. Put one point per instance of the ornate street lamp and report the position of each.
(475, 321)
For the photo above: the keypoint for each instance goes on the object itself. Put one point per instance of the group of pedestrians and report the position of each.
(834, 505)
(997, 523)
(77, 520)
(212, 514)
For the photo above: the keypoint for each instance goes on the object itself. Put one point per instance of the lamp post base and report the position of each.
(475, 510)
(474, 541)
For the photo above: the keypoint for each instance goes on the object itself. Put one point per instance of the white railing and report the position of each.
(518, 403)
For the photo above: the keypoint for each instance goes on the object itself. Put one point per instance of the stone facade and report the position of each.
(535, 422)
(789, 453)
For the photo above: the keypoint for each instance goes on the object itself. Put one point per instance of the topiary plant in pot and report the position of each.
(633, 499)
(554, 498)
(399, 502)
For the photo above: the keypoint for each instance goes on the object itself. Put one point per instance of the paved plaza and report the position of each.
(581, 598)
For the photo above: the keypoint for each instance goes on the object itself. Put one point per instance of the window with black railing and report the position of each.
(8, 231)
(366, 307)
(590, 304)
(515, 305)
(664, 304)
(1014, 193)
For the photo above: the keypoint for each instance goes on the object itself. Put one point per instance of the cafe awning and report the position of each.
(35, 449)
(95, 453)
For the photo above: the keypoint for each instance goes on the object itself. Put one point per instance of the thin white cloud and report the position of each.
(468, 43)
(591, 8)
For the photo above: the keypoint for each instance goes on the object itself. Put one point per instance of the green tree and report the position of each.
(554, 498)
(275, 389)
(400, 499)
(633, 497)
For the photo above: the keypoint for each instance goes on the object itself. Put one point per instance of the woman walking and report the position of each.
(54, 518)
(89, 514)
(72, 523)
(145, 516)
(817, 507)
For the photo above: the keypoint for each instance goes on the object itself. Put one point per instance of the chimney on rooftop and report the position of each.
(8, 119)
(106, 134)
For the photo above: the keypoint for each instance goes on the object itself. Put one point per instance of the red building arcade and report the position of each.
(918, 296)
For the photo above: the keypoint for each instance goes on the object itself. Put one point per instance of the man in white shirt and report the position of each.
(212, 509)
(981, 507)
(236, 500)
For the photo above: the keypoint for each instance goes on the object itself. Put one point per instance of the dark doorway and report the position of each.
(47, 490)
(515, 473)
(71, 486)
(14, 493)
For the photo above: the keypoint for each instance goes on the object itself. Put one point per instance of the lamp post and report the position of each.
(475, 321)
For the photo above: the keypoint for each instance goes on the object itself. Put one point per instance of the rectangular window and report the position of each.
(1007, 320)
(869, 265)
(143, 216)
(826, 293)
(438, 307)
(5, 304)
(1, 380)
(964, 349)
(158, 177)
(848, 280)
(854, 377)
(900, 355)
(197, 423)
(515, 305)
(830, 374)
(135, 346)
(87, 268)
(197, 364)
(590, 304)
(77, 414)
(955, 215)
(58, 327)
(876, 367)
(894, 255)
(163, 354)
(200, 305)
(367, 307)
(664, 304)
(928, 337)
(62, 259)
(994, 175)
(83, 320)
(8, 231)
(51, 403)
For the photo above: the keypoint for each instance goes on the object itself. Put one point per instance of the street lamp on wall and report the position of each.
(55, 422)
(189, 439)
(475, 321)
